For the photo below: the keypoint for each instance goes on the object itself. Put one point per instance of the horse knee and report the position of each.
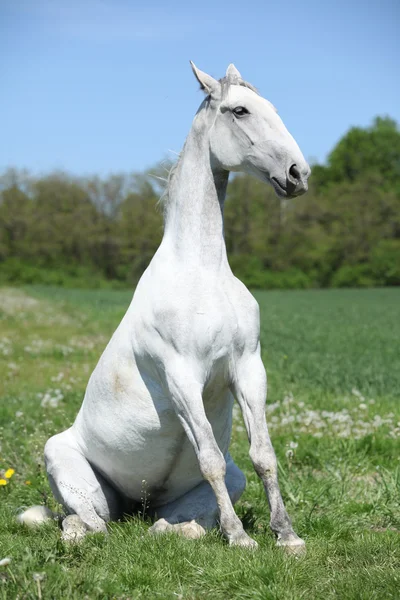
(53, 455)
(74, 482)
(56, 449)
(50, 449)
(264, 462)
(212, 464)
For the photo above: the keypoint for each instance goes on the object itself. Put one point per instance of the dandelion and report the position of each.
(271, 407)
(59, 377)
(38, 577)
(27, 482)
(4, 562)
(3, 481)
(51, 398)
(9, 473)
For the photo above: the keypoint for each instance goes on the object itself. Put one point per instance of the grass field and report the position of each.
(333, 361)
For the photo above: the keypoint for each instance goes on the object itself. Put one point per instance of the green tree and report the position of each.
(374, 150)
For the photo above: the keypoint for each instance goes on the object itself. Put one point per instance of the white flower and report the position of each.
(52, 398)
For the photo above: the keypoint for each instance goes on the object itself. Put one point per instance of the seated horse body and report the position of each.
(156, 418)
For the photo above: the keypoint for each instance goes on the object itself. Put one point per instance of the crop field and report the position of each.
(333, 364)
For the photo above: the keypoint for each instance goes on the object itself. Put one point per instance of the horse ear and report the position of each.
(232, 73)
(207, 83)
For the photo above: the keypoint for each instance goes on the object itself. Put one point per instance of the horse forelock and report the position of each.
(226, 82)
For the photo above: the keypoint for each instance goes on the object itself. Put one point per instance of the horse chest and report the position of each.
(209, 327)
(224, 331)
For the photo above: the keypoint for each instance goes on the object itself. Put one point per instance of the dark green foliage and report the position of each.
(353, 276)
(91, 232)
(372, 150)
(17, 271)
(385, 262)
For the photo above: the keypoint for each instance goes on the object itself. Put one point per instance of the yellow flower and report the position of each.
(9, 473)
(28, 482)
(3, 482)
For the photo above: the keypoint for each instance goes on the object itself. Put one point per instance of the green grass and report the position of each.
(333, 362)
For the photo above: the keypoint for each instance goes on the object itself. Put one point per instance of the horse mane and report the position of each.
(163, 200)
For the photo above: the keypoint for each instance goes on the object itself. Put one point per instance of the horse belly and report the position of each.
(129, 431)
(141, 447)
(185, 471)
(137, 455)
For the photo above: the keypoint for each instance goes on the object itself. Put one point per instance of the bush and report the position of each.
(385, 262)
(16, 272)
(353, 276)
(250, 270)
(247, 268)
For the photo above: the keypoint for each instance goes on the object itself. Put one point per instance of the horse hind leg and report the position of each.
(197, 510)
(87, 498)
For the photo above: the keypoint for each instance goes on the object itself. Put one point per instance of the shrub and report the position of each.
(385, 262)
(16, 272)
(353, 276)
(250, 270)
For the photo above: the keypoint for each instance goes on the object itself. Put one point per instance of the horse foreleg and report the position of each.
(197, 510)
(186, 394)
(250, 389)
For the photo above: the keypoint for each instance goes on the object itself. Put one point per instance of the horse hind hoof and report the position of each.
(36, 516)
(74, 529)
(189, 529)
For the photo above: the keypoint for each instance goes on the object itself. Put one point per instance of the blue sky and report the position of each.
(100, 86)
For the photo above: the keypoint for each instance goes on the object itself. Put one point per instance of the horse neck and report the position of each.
(194, 225)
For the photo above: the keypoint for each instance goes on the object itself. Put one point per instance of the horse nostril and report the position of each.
(294, 173)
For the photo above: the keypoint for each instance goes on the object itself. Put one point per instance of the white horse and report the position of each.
(157, 414)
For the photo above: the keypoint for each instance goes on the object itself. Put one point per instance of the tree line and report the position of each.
(65, 230)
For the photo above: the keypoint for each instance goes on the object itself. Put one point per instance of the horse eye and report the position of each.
(240, 111)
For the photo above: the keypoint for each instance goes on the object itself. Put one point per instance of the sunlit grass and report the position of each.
(333, 362)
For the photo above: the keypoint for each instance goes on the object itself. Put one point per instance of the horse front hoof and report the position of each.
(243, 540)
(292, 545)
